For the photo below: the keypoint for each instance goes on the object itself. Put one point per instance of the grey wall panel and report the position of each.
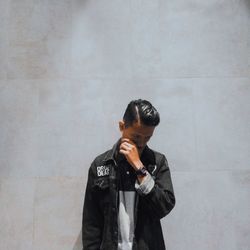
(39, 35)
(204, 39)
(19, 106)
(16, 213)
(67, 72)
(4, 39)
(100, 39)
(57, 212)
(223, 119)
(214, 211)
(146, 57)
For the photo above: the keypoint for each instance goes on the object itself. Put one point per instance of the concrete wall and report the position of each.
(68, 68)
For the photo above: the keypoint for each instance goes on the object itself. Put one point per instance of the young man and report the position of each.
(129, 188)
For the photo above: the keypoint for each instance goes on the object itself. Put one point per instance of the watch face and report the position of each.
(141, 171)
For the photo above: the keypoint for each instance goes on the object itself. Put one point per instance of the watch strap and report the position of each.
(141, 172)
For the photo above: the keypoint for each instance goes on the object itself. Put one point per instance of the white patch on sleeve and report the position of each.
(102, 171)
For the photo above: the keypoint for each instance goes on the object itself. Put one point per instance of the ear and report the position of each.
(121, 125)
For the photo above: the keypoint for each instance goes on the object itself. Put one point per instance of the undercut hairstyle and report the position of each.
(141, 111)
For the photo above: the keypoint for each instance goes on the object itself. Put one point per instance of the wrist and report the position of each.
(141, 178)
(142, 172)
(138, 165)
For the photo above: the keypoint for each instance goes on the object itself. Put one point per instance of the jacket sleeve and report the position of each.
(92, 218)
(158, 194)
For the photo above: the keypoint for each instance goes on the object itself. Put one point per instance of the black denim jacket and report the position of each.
(100, 211)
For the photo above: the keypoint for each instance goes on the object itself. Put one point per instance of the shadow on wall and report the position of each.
(78, 244)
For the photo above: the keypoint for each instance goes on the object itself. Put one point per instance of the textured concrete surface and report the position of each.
(17, 213)
(212, 211)
(57, 212)
(68, 70)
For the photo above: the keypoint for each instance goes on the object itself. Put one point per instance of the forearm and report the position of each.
(157, 193)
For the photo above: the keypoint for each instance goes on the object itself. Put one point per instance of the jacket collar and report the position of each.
(110, 156)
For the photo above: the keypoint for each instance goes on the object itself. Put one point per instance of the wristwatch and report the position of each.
(141, 172)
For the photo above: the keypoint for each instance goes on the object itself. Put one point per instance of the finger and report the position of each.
(125, 147)
(127, 144)
(124, 152)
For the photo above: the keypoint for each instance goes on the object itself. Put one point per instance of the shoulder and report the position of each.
(158, 156)
(98, 167)
(100, 159)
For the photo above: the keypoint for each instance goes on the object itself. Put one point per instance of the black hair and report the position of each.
(141, 111)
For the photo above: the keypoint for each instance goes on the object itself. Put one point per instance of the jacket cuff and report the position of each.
(146, 185)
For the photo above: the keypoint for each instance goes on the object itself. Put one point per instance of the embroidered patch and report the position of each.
(152, 169)
(102, 171)
(155, 167)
